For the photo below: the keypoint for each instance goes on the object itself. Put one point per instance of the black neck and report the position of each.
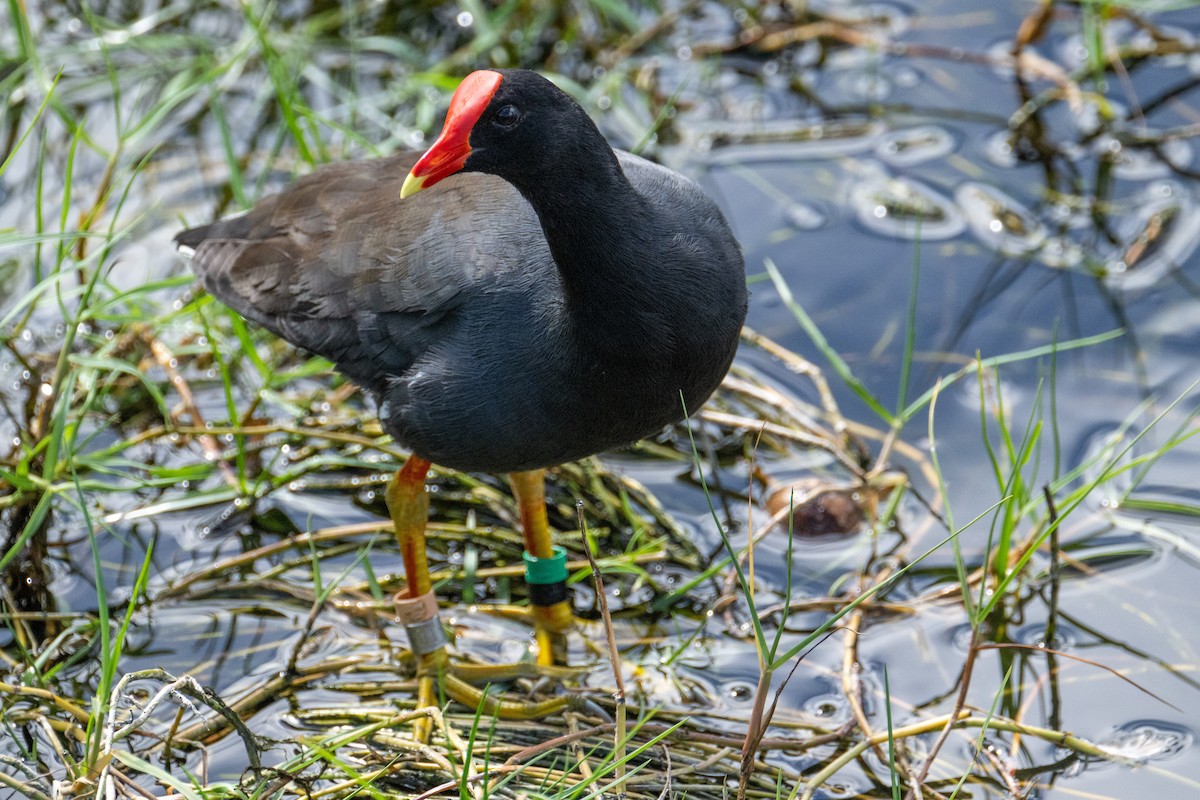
(595, 224)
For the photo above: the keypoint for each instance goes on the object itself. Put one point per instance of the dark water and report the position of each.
(842, 166)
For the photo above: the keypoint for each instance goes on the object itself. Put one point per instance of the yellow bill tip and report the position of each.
(412, 185)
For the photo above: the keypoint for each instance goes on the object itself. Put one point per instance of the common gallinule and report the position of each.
(560, 300)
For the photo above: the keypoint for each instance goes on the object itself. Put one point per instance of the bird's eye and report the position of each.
(507, 116)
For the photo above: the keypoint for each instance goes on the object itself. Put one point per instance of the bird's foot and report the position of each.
(438, 678)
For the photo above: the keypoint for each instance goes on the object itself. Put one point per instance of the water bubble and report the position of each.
(603, 102)
(1035, 635)
(739, 692)
(464, 19)
(683, 53)
(829, 708)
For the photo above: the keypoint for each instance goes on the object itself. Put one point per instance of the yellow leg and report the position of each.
(427, 697)
(530, 491)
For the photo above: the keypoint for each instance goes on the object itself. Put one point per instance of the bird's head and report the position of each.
(511, 123)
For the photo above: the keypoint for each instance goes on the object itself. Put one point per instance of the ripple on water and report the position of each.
(1000, 222)
(1149, 740)
(887, 19)
(1035, 635)
(904, 208)
(1105, 460)
(1144, 39)
(1144, 163)
(998, 149)
(1074, 51)
(1157, 239)
(828, 710)
(916, 145)
(841, 786)
(806, 216)
(737, 693)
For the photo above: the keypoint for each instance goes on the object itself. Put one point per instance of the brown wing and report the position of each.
(339, 265)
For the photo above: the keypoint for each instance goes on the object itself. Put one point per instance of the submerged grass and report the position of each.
(144, 405)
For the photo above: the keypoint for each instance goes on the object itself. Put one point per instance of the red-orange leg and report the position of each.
(408, 504)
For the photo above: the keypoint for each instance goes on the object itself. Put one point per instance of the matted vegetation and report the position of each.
(196, 475)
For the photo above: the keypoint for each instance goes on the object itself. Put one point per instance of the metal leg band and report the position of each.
(426, 637)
